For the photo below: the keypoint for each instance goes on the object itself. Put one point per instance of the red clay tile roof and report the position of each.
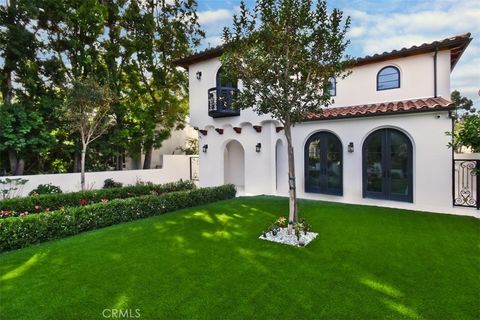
(378, 109)
(456, 44)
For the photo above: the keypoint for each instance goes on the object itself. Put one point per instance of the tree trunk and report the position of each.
(76, 162)
(292, 212)
(20, 167)
(82, 165)
(147, 162)
(12, 158)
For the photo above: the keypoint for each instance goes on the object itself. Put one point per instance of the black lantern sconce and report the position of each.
(199, 75)
(258, 147)
(350, 147)
(205, 147)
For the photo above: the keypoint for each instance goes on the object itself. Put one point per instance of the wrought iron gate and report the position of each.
(466, 183)
(194, 168)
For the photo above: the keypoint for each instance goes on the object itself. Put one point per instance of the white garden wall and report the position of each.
(175, 168)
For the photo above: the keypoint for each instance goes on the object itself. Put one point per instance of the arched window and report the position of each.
(222, 82)
(220, 98)
(387, 166)
(324, 164)
(333, 86)
(388, 78)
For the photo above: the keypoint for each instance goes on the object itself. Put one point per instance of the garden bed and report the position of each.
(50, 202)
(18, 232)
(283, 237)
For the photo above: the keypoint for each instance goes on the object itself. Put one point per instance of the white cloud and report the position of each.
(213, 41)
(214, 16)
(356, 32)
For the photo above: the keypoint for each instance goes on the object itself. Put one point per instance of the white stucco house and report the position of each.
(381, 143)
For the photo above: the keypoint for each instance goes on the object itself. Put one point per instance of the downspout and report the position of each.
(435, 73)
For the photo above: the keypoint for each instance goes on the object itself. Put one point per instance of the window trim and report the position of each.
(334, 86)
(399, 78)
(386, 193)
(322, 189)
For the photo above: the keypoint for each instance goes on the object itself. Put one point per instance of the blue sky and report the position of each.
(379, 26)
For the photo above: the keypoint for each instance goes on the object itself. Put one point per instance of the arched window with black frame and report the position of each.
(324, 164)
(388, 78)
(220, 98)
(332, 86)
(388, 166)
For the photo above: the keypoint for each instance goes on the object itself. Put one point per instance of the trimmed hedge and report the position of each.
(19, 232)
(51, 202)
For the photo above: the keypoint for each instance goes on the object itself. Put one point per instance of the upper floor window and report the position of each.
(388, 78)
(332, 86)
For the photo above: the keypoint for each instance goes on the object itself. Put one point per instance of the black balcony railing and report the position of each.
(220, 102)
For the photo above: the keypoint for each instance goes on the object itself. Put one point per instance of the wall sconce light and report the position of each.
(350, 147)
(205, 147)
(258, 147)
(199, 75)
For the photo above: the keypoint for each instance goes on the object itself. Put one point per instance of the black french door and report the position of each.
(324, 164)
(388, 166)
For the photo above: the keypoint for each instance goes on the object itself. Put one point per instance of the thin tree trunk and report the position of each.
(292, 212)
(76, 161)
(12, 158)
(82, 165)
(20, 167)
(147, 162)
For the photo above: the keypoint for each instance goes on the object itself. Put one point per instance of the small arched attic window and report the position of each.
(388, 78)
(332, 86)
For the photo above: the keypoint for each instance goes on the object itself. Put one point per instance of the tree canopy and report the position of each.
(127, 45)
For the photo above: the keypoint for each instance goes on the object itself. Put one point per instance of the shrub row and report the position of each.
(50, 202)
(18, 232)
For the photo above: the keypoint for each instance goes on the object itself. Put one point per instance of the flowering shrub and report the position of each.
(22, 231)
(50, 202)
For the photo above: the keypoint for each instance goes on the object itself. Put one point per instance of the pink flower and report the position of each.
(38, 207)
(83, 202)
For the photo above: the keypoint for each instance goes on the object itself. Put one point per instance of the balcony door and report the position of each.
(387, 166)
(324, 164)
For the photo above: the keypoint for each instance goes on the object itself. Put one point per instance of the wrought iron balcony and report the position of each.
(220, 102)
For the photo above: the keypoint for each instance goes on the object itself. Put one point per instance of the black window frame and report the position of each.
(333, 86)
(399, 78)
(323, 187)
(386, 193)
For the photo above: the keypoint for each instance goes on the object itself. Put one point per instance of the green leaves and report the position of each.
(22, 129)
(284, 51)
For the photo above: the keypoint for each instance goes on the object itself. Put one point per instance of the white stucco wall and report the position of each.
(432, 160)
(170, 146)
(416, 81)
(176, 167)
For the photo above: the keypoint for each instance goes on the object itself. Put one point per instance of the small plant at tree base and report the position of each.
(302, 226)
(110, 183)
(45, 189)
(282, 222)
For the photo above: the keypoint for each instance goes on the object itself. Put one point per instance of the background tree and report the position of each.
(19, 80)
(466, 130)
(157, 33)
(284, 52)
(87, 110)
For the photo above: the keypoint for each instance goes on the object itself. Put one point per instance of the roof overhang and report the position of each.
(456, 45)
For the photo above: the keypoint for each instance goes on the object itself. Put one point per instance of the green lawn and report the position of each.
(207, 263)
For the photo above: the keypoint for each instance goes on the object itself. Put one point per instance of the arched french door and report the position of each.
(234, 164)
(388, 166)
(324, 164)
